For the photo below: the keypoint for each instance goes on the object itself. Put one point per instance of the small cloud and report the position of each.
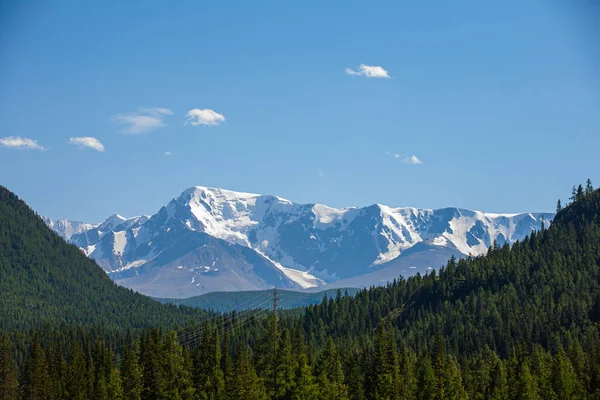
(405, 159)
(143, 120)
(370, 71)
(18, 142)
(413, 160)
(168, 153)
(207, 116)
(320, 173)
(87, 141)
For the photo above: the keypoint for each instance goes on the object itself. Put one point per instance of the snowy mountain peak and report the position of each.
(112, 222)
(285, 243)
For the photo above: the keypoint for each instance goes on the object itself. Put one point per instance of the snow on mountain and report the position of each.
(292, 245)
(66, 228)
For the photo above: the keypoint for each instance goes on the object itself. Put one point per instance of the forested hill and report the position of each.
(45, 280)
(543, 290)
(520, 322)
(226, 301)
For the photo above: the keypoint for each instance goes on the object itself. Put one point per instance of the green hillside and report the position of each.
(45, 280)
(521, 322)
(229, 301)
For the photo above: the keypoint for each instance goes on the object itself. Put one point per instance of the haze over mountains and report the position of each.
(210, 239)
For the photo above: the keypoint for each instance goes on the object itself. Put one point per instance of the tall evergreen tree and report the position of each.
(209, 380)
(589, 188)
(9, 385)
(176, 369)
(36, 379)
(247, 384)
(131, 376)
(115, 385)
(150, 362)
(330, 374)
(78, 379)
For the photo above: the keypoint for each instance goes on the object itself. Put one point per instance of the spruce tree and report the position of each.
(247, 384)
(564, 378)
(407, 372)
(426, 388)
(36, 380)
(150, 362)
(589, 188)
(177, 374)
(78, 379)
(115, 385)
(303, 386)
(131, 376)
(209, 380)
(9, 385)
(330, 373)
(59, 371)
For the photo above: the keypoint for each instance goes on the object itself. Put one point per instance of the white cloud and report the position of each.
(370, 71)
(18, 142)
(142, 120)
(207, 116)
(413, 160)
(320, 172)
(87, 141)
(406, 159)
(168, 153)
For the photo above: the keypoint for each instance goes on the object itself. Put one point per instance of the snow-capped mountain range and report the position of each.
(210, 239)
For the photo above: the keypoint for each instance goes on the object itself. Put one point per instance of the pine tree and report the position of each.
(330, 374)
(453, 384)
(150, 362)
(573, 197)
(303, 385)
(115, 385)
(524, 388)
(59, 371)
(564, 379)
(426, 388)
(580, 193)
(102, 362)
(384, 366)
(9, 385)
(439, 366)
(131, 376)
(228, 368)
(267, 360)
(589, 188)
(247, 384)
(285, 364)
(36, 377)
(78, 380)
(558, 206)
(175, 364)
(407, 372)
(209, 380)
(355, 364)
(498, 385)
(541, 370)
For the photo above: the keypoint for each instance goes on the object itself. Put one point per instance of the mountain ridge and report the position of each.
(310, 244)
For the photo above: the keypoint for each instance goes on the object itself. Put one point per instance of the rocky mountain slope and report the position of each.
(210, 239)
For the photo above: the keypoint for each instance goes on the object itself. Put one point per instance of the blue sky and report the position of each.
(498, 101)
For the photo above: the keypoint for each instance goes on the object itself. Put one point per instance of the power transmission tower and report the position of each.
(275, 340)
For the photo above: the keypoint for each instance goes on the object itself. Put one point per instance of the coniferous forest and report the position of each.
(521, 322)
